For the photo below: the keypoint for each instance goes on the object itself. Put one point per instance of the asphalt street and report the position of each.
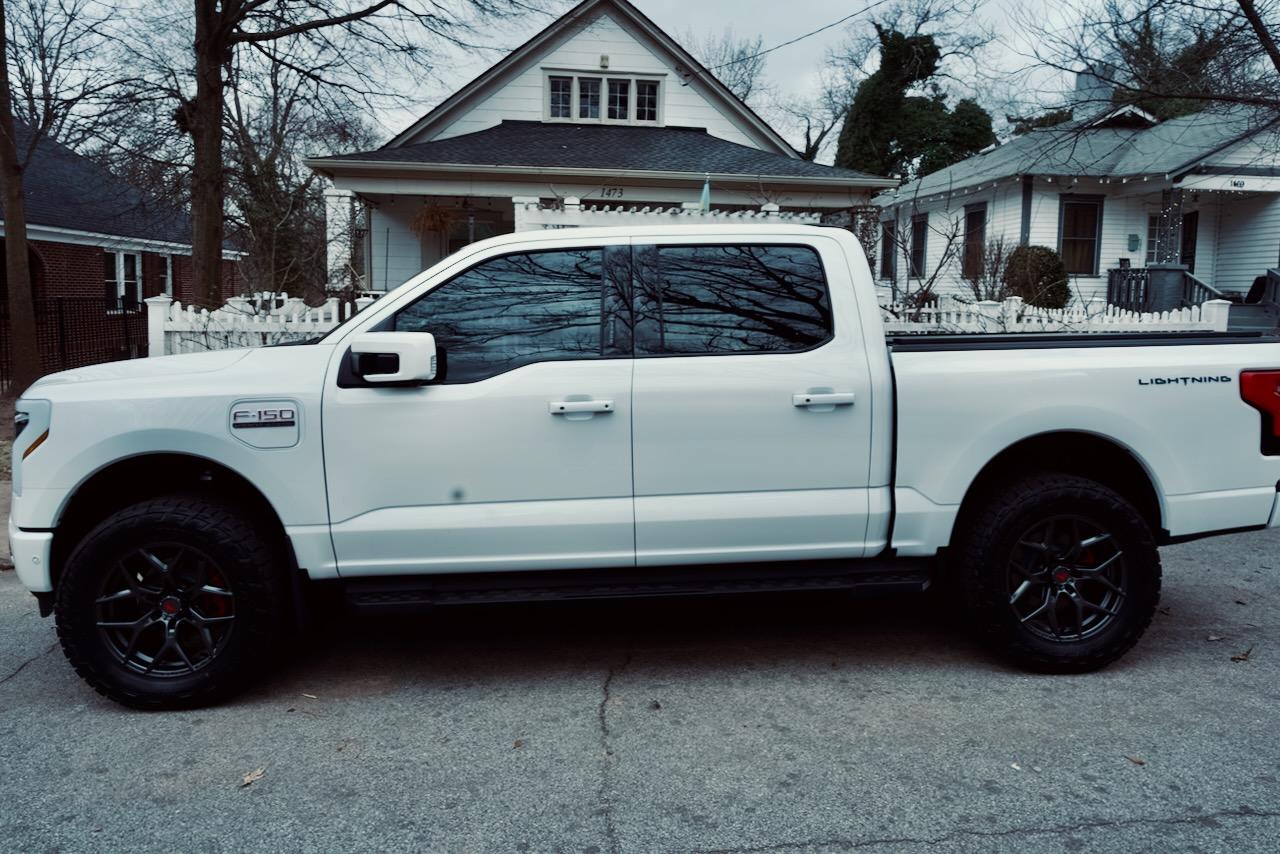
(749, 724)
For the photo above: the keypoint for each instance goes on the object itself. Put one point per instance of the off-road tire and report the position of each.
(986, 544)
(248, 564)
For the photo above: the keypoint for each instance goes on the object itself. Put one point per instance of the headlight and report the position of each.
(30, 430)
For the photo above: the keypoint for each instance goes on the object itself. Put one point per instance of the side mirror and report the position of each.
(394, 357)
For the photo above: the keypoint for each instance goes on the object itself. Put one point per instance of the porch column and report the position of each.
(1165, 276)
(339, 215)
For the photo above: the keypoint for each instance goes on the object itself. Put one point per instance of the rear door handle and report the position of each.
(828, 398)
(567, 407)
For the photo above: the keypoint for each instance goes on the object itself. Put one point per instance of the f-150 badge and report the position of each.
(266, 423)
(284, 416)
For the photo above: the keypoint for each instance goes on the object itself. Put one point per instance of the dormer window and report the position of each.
(608, 99)
(561, 97)
(588, 97)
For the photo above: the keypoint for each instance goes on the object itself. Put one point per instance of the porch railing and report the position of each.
(1129, 288)
(1197, 291)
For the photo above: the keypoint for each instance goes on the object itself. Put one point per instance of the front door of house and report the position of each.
(1190, 225)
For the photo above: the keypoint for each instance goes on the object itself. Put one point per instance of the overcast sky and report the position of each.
(790, 70)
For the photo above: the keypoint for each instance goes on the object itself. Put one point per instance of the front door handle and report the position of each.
(827, 398)
(569, 407)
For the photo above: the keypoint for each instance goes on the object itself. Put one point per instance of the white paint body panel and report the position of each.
(701, 460)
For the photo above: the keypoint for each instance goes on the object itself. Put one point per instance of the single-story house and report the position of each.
(92, 234)
(97, 246)
(1125, 199)
(600, 117)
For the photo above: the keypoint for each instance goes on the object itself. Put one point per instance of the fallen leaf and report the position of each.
(1242, 656)
(1214, 638)
(1136, 760)
(1015, 766)
(1036, 768)
(519, 742)
(311, 696)
(252, 777)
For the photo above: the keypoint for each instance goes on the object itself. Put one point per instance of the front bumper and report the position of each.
(30, 550)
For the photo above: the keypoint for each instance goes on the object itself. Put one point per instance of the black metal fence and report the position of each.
(72, 332)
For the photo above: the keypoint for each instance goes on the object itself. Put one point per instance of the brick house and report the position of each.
(97, 247)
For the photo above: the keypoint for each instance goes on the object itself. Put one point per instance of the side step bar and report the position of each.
(869, 576)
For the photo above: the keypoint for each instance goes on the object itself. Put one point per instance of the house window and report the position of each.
(1080, 234)
(888, 241)
(122, 280)
(975, 240)
(588, 97)
(594, 99)
(646, 100)
(1153, 228)
(619, 97)
(561, 97)
(919, 243)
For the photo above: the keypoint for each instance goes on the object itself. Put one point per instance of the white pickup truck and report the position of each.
(651, 411)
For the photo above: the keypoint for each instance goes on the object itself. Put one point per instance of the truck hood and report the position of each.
(133, 369)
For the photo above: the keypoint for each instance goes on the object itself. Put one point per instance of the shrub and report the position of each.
(1037, 274)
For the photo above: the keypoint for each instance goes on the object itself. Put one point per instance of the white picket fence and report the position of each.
(262, 319)
(253, 321)
(1013, 315)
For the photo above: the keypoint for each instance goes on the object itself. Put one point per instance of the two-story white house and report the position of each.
(1148, 214)
(600, 118)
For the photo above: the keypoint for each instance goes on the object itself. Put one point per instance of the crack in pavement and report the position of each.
(851, 844)
(23, 665)
(605, 794)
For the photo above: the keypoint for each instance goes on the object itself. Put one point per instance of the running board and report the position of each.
(870, 576)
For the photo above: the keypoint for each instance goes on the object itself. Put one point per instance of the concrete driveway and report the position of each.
(775, 724)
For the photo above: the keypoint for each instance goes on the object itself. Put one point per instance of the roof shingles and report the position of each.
(600, 147)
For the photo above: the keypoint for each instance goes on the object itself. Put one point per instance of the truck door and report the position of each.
(752, 403)
(518, 455)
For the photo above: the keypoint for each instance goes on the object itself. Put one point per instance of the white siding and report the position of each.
(522, 97)
(396, 253)
(1248, 241)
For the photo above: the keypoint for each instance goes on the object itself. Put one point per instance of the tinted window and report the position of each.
(731, 299)
(517, 309)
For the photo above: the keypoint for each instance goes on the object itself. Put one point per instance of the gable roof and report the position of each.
(62, 189)
(589, 9)
(590, 148)
(1171, 148)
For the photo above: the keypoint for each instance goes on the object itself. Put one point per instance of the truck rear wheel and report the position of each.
(172, 603)
(1061, 572)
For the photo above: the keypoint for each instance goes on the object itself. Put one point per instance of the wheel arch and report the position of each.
(1099, 458)
(128, 480)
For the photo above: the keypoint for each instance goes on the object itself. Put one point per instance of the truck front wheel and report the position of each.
(173, 602)
(1061, 572)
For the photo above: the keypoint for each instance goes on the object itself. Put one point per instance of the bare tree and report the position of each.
(943, 241)
(813, 119)
(275, 117)
(361, 50)
(53, 87)
(1169, 57)
(737, 61)
(986, 278)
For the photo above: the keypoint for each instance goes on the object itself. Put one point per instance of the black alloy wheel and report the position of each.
(1067, 578)
(165, 610)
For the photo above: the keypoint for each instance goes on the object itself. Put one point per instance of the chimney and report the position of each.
(1093, 87)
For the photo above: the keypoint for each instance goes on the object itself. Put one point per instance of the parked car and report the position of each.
(629, 412)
